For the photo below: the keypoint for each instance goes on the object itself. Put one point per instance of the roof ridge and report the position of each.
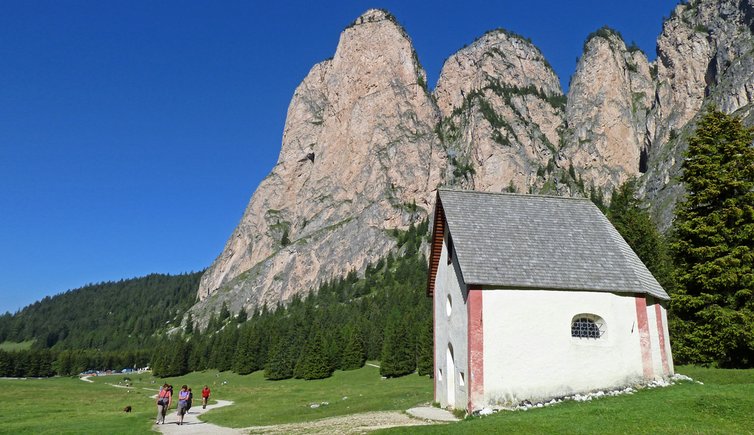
(527, 195)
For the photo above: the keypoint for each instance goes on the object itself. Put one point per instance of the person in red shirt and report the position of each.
(205, 396)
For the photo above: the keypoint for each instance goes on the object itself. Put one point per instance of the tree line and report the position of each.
(384, 315)
(45, 362)
(109, 316)
(705, 262)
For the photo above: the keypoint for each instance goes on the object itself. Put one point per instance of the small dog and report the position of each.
(127, 408)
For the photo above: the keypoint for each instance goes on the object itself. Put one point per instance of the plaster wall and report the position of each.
(658, 324)
(529, 352)
(450, 329)
(654, 338)
(668, 349)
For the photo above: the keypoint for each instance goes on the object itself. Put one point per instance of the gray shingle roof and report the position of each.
(529, 241)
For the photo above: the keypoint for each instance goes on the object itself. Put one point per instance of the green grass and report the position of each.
(262, 402)
(12, 346)
(71, 406)
(723, 405)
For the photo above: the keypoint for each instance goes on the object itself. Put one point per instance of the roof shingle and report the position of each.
(530, 241)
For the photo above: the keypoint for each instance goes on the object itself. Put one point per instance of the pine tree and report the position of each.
(714, 246)
(189, 329)
(247, 357)
(398, 357)
(425, 346)
(636, 226)
(279, 365)
(354, 352)
(242, 315)
(178, 357)
(224, 312)
(314, 362)
(225, 348)
(6, 364)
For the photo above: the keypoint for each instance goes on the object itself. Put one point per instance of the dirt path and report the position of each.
(342, 425)
(192, 424)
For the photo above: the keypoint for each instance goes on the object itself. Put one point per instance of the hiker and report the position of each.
(205, 396)
(183, 397)
(190, 400)
(164, 400)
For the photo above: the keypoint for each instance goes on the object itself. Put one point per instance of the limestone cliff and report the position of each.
(359, 157)
(705, 54)
(502, 110)
(365, 143)
(608, 100)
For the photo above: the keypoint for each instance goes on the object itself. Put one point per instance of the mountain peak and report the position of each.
(372, 15)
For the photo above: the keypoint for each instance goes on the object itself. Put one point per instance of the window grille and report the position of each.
(587, 327)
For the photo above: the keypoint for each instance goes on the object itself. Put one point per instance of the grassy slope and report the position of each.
(71, 406)
(722, 405)
(262, 402)
(12, 346)
(67, 405)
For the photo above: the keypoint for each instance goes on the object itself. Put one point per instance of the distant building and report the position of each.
(537, 297)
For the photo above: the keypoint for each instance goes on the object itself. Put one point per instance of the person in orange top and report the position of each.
(164, 400)
(205, 396)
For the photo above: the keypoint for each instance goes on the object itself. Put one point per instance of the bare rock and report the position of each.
(359, 157)
(610, 95)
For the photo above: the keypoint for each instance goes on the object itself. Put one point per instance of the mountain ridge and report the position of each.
(366, 143)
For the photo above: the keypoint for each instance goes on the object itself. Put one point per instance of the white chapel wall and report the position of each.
(450, 329)
(659, 326)
(529, 352)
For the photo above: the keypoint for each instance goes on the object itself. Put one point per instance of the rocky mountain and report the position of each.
(610, 94)
(359, 158)
(705, 54)
(366, 144)
(502, 110)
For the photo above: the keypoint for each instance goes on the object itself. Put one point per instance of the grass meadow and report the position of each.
(724, 404)
(10, 346)
(71, 406)
(261, 402)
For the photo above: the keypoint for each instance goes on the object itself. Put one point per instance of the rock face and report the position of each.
(610, 95)
(359, 157)
(365, 144)
(705, 54)
(502, 110)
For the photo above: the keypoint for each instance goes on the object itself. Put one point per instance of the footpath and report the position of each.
(192, 424)
(342, 425)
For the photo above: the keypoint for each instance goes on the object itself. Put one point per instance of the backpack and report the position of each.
(164, 397)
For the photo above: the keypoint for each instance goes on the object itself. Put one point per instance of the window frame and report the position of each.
(588, 327)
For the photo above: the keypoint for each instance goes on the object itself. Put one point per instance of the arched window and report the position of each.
(587, 326)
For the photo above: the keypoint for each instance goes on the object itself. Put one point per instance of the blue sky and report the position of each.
(132, 134)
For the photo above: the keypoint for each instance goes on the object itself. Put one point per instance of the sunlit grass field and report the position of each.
(261, 402)
(11, 346)
(72, 406)
(723, 404)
